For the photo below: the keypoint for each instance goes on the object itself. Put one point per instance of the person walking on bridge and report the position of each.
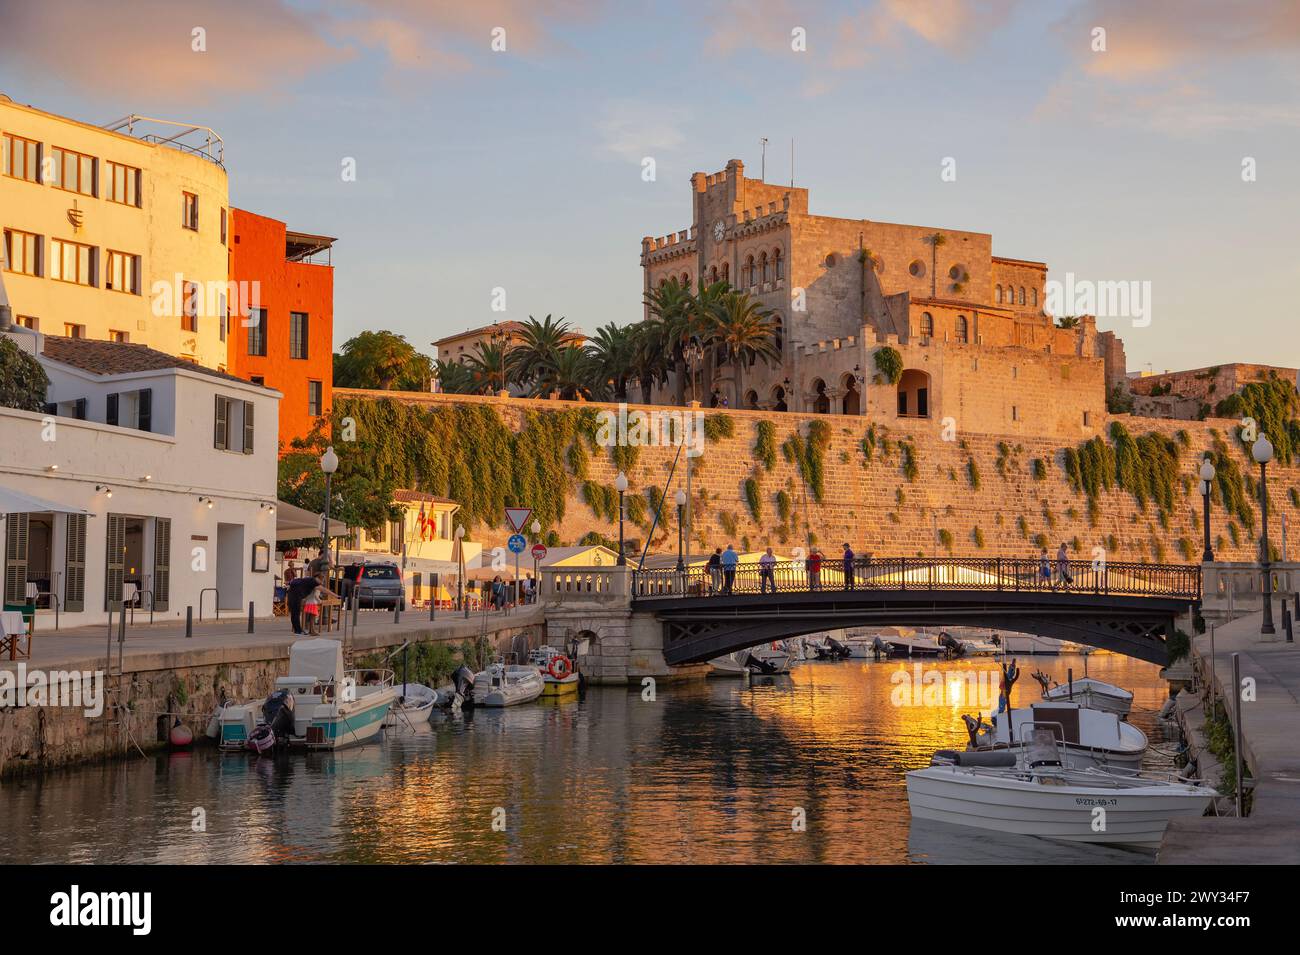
(1063, 569)
(848, 567)
(1045, 570)
(767, 571)
(814, 564)
(715, 571)
(729, 561)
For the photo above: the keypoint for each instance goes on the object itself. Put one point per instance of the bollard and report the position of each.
(397, 612)
(1287, 621)
(1236, 729)
(355, 604)
(189, 623)
(250, 616)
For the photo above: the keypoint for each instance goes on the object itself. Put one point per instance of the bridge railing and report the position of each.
(926, 573)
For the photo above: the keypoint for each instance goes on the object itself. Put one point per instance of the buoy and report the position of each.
(181, 736)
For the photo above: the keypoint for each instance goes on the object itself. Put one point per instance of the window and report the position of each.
(1034, 292)
(23, 252)
(190, 308)
(726, 272)
(257, 331)
(927, 325)
(778, 270)
(223, 225)
(73, 331)
(74, 172)
(120, 337)
(22, 158)
(190, 211)
(1015, 413)
(123, 273)
(314, 399)
(747, 272)
(72, 262)
(223, 316)
(297, 334)
(762, 265)
(233, 425)
(123, 184)
(963, 329)
(998, 295)
(257, 380)
(1086, 420)
(1022, 295)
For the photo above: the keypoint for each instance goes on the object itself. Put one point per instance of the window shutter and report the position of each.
(16, 527)
(162, 562)
(110, 409)
(74, 578)
(144, 414)
(221, 437)
(114, 553)
(80, 409)
(248, 427)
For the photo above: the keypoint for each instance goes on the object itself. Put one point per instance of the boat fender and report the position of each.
(180, 736)
(991, 758)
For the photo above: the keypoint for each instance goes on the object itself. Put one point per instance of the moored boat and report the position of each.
(1093, 693)
(559, 676)
(1088, 738)
(507, 685)
(414, 704)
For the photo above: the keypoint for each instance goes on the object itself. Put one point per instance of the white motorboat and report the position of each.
(1090, 738)
(766, 660)
(979, 648)
(1093, 693)
(318, 705)
(1030, 793)
(730, 664)
(507, 685)
(415, 702)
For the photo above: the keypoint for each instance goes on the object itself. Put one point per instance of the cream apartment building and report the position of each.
(116, 234)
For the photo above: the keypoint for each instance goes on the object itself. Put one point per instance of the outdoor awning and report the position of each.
(16, 502)
(292, 523)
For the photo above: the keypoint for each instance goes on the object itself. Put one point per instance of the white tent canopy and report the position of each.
(16, 502)
(292, 523)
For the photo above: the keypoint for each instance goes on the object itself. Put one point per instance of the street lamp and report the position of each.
(620, 483)
(1207, 477)
(537, 530)
(1263, 453)
(329, 463)
(693, 353)
(460, 560)
(681, 506)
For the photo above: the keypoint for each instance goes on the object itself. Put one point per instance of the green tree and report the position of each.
(747, 331)
(537, 346)
(489, 367)
(453, 377)
(674, 309)
(613, 355)
(23, 381)
(571, 374)
(361, 498)
(382, 360)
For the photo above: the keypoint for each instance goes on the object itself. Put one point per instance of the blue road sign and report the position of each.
(516, 543)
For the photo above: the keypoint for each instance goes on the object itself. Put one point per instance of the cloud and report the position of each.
(632, 129)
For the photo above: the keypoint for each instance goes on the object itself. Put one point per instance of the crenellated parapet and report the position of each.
(665, 248)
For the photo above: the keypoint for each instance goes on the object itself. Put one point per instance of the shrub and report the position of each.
(945, 538)
(23, 382)
(718, 426)
(978, 537)
(765, 445)
(973, 474)
(889, 363)
(1039, 469)
(753, 499)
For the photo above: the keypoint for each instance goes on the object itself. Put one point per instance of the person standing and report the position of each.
(767, 572)
(1063, 569)
(815, 569)
(715, 570)
(848, 567)
(1045, 569)
(729, 561)
(295, 594)
(311, 604)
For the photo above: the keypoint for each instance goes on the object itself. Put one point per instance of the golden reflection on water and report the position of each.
(715, 771)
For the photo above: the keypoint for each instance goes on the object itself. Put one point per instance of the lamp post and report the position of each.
(537, 530)
(460, 561)
(329, 463)
(693, 353)
(681, 507)
(620, 483)
(1263, 453)
(1207, 477)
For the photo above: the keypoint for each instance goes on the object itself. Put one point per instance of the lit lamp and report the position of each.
(681, 506)
(693, 353)
(1262, 451)
(329, 463)
(620, 484)
(460, 559)
(1207, 478)
(537, 530)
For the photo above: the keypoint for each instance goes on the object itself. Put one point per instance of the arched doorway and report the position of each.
(751, 400)
(822, 401)
(914, 394)
(778, 399)
(852, 403)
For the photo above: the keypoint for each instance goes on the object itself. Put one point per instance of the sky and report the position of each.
(1163, 149)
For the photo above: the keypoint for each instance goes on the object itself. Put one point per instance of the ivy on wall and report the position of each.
(719, 426)
(765, 445)
(889, 363)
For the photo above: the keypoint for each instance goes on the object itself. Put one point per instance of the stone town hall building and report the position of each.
(971, 327)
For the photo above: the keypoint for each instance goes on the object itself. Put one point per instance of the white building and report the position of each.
(152, 471)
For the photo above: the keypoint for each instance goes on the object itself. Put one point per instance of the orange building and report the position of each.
(286, 339)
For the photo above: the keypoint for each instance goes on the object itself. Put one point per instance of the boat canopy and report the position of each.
(321, 659)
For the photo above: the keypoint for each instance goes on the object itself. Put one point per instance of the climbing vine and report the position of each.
(889, 363)
(718, 426)
(765, 445)
(753, 499)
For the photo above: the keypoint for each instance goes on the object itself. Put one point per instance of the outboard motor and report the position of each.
(278, 713)
(879, 648)
(759, 667)
(463, 680)
(952, 646)
(838, 650)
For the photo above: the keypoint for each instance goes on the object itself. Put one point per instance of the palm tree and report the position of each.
(935, 240)
(453, 378)
(538, 344)
(1068, 321)
(649, 357)
(747, 330)
(673, 308)
(612, 350)
(568, 375)
(489, 367)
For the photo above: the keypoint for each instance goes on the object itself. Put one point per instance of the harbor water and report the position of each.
(805, 769)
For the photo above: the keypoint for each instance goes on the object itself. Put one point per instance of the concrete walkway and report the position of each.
(1271, 747)
(164, 645)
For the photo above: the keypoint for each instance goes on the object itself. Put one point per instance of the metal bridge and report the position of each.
(1125, 607)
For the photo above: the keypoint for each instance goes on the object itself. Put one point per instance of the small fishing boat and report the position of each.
(1031, 793)
(731, 664)
(1091, 692)
(765, 660)
(507, 685)
(415, 702)
(1089, 738)
(559, 675)
(318, 705)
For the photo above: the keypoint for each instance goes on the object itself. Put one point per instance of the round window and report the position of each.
(917, 269)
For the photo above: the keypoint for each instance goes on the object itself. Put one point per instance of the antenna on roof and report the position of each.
(762, 175)
(791, 162)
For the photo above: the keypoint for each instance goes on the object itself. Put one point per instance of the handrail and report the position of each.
(217, 601)
(136, 602)
(55, 600)
(1122, 578)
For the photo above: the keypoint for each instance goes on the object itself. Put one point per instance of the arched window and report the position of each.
(663, 283)
(851, 402)
(998, 299)
(778, 399)
(713, 274)
(963, 329)
(777, 265)
(1034, 293)
(927, 325)
(822, 403)
(1022, 295)
(762, 264)
(686, 279)
(751, 399)
(747, 272)
(726, 272)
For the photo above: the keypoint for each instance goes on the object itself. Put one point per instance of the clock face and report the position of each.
(719, 230)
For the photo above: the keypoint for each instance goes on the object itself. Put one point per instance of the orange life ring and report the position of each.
(560, 664)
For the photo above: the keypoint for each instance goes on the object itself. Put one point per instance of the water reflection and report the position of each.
(710, 772)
